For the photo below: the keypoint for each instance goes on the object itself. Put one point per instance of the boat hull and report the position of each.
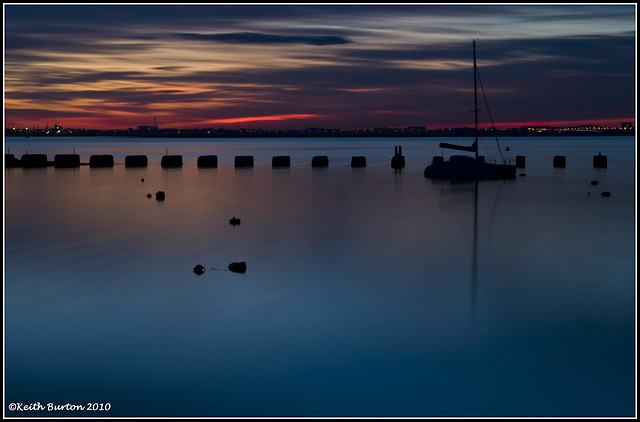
(462, 167)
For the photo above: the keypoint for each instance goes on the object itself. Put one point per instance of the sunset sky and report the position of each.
(331, 66)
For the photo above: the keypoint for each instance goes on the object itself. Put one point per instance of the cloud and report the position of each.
(258, 38)
(197, 63)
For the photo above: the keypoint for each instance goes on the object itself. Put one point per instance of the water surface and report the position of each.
(369, 291)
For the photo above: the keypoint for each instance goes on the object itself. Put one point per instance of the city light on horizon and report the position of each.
(281, 123)
(291, 67)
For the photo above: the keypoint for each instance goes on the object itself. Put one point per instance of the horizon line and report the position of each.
(622, 123)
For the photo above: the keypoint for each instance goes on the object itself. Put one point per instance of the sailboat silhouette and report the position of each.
(464, 166)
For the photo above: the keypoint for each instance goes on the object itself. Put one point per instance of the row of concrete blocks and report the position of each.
(248, 161)
(239, 161)
(104, 160)
(599, 161)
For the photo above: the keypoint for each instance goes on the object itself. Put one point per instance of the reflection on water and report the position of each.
(368, 292)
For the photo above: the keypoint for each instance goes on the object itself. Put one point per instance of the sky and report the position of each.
(345, 66)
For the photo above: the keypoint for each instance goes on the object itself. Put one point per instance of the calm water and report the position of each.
(369, 292)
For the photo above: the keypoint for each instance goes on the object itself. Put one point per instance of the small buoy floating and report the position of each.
(594, 182)
(606, 194)
(234, 221)
(198, 269)
(238, 267)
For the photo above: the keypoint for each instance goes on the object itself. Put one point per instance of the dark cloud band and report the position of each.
(258, 38)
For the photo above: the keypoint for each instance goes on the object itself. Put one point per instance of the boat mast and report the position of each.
(475, 93)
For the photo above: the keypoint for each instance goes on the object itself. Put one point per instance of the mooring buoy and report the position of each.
(238, 267)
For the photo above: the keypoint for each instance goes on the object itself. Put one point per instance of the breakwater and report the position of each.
(240, 161)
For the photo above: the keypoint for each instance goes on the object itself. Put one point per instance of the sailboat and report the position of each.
(465, 166)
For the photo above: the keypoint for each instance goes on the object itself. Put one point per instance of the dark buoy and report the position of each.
(149, 195)
(198, 269)
(600, 161)
(142, 180)
(559, 161)
(606, 194)
(520, 161)
(522, 175)
(238, 267)
(594, 182)
(160, 196)
(234, 221)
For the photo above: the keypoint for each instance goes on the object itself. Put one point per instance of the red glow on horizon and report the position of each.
(554, 123)
(303, 120)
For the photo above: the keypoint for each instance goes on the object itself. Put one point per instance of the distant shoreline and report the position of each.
(153, 132)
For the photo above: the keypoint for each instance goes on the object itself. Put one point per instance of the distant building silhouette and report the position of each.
(147, 128)
(153, 128)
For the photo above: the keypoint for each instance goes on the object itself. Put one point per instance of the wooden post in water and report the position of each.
(600, 161)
